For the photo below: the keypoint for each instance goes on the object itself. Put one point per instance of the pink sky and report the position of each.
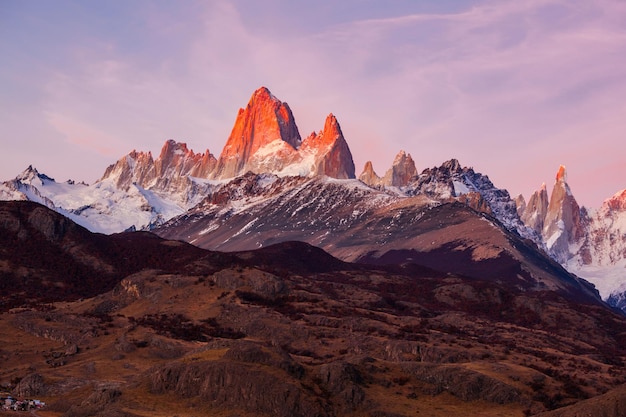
(512, 88)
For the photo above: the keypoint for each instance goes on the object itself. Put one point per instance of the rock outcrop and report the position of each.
(329, 150)
(402, 170)
(400, 174)
(174, 164)
(536, 210)
(369, 176)
(31, 385)
(232, 385)
(558, 219)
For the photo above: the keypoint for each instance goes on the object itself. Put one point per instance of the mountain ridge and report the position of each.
(142, 192)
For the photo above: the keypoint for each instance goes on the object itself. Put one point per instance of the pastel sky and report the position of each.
(512, 88)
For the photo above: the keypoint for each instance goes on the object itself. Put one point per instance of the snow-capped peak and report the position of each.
(30, 175)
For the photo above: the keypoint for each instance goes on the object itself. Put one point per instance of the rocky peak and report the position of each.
(562, 224)
(369, 176)
(561, 175)
(616, 203)
(30, 175)
(445, 174)
(402, 170)
(177, 159)
(136, 167)
(452, 166)
(264, 121)
(536, 210)
(174, 164)
(520, 203)
(399, 175)
(330, 151)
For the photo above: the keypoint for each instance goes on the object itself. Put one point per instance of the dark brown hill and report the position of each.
(46, 257)
(611, 404)
(289, 330)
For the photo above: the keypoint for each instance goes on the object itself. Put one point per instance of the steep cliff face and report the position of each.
(562, 225)
(175, 162)
(400, 174)
(536, 210)
(265, 136)
(600, 255)
(607, 233)
(402, 170)
(265, 139)
(369, 176)
(329, 151)
(134, 168)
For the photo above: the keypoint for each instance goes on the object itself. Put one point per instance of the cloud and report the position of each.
(83, 135)
(500, 85)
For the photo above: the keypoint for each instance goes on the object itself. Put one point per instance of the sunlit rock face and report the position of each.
(329, 151)
(174, 161)
(265, 139)
(265, 131)
(402, 170)
(369, 176)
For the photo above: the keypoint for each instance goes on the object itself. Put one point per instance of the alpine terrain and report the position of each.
(272, 281)
(140, 192)
(134, 325)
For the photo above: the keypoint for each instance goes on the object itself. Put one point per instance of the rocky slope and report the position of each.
(288, 330)
(357, 223)
(44, 256)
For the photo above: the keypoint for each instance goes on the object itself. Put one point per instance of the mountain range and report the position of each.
(268, 185)
(272, 280)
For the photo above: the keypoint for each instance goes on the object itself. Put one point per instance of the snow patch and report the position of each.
(460, 188)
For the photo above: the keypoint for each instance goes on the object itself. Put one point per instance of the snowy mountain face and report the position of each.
(141, 192)
(451, 181)
(261, 209)
(257, 210)
(591, 244)
(600, 254)
(103, 207)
